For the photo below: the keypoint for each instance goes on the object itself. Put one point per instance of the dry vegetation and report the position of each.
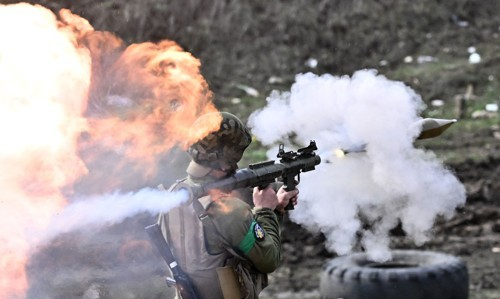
(249, 42)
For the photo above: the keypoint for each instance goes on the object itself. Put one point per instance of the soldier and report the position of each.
(223, 244)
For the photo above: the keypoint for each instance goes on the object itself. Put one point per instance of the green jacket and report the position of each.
(229, 234)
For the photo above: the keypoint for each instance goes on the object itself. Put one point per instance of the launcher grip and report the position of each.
(290, 184)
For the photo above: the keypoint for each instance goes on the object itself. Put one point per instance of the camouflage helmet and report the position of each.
(221, 148)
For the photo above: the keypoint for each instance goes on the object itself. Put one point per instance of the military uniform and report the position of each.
(224, 246)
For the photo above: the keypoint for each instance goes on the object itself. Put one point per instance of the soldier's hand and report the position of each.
(284, 197)
(265, 198)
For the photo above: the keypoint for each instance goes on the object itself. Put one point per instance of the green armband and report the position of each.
(254, 233)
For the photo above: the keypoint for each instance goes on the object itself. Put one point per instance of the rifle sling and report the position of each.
(201, 205)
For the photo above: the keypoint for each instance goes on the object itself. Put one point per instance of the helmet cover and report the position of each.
(224, 145)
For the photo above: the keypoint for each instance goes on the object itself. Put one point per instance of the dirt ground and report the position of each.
(242, 45)
(119, 262)
(473, 234)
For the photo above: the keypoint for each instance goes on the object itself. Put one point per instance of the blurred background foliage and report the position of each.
(249, 48)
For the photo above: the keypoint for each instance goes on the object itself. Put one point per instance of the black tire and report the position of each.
(411, 274)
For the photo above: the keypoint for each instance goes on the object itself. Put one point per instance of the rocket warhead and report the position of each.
(430, 128)
(433, 127)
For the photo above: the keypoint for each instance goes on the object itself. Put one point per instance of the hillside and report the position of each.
(247, 49)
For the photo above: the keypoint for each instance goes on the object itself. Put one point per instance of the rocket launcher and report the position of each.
(288, 169)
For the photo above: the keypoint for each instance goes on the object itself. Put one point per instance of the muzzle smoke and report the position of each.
(357, 199)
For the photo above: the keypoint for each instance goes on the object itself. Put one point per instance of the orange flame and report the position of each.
(71, 97)
(157, 93)
(143, 98)
(40, 115)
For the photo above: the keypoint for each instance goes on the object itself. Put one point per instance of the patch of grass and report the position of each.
(241, 105)
(468, 139)
(471, 138)
(407, 72)
(256, 152)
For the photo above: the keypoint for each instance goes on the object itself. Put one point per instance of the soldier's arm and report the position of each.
(268, 247)
(254, 234)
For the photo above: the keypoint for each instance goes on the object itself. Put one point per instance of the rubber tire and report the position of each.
(411, 274)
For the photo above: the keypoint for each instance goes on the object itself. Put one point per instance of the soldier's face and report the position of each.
(223, 170)
(218, 173)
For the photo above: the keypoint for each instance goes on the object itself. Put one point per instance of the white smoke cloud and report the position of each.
(391, 181)
(91, 212)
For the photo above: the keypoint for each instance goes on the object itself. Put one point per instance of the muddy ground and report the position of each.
(250, 42)
(118, 262)
(473, 235)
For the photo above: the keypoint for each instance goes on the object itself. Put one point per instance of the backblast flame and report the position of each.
(77, 104)
(43, 92)
(143, 100)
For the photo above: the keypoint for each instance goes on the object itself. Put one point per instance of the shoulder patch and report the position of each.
(255, 233)
(259, 232)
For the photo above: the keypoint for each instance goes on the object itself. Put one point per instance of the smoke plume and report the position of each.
(356, 199)
(90, 213)
(86, 123)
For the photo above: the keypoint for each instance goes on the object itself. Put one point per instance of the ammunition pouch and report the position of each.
(229, 282)
(241, 276)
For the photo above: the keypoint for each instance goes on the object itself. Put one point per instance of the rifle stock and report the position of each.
(182, 281)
